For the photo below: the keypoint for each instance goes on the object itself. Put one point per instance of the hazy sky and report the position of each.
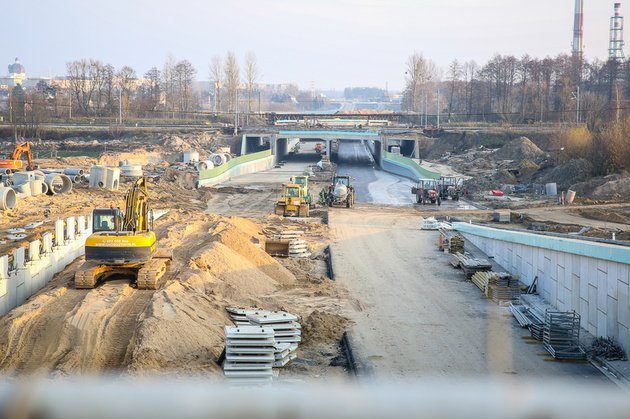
(330, 43)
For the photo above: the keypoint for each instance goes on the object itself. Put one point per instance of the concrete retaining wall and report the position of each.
(249, 163)
(28, 269)
(589, 277)
(406, 167)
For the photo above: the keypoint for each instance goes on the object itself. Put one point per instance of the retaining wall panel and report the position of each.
(601, 291)
(601, 324)
(611, 317)
(623, 301)
(592, 305)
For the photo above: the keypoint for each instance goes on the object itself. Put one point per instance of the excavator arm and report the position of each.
(24, 148)
(136, 207)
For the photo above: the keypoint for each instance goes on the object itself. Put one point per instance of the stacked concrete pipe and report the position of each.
(58, 183)
(8, 198)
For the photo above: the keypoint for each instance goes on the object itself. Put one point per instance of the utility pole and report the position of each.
(426, 109)
(120, 106)
(438, 108)
(236, 112)
(577, 116)
(70, 105)
(259, 112)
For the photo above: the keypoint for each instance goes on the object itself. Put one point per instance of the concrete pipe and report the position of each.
(228, 156)
(131, 170)
(58, 183)
(218, 159)
(44, 187)
(205, 165)
(8, 198)
(72, 172)
(75, 178)
(5, 171)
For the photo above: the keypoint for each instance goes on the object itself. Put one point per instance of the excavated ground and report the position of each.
(179, 328)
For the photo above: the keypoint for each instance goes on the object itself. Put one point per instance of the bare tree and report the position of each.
(251, 77)
(420, 72)
(454, 72)
(232, 78)
(126, 82)
(216, 75)
(168, 83)
(185, 77)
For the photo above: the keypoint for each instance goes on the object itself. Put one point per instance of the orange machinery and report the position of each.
(15, 163)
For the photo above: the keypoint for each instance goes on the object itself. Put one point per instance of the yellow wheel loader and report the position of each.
(123, 243)
(292, 202)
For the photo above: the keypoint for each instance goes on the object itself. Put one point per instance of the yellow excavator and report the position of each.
(123, 243)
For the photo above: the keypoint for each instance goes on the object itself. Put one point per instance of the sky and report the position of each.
(327, 44)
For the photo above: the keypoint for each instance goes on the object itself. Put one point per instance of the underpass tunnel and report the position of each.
(297, 149)
(408, 148)
(254, 144)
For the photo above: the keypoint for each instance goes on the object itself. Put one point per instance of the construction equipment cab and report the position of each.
(292, 203)
(124, 244)
(302, 180)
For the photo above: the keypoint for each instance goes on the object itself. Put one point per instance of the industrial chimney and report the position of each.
(578, 30)
(616, 43)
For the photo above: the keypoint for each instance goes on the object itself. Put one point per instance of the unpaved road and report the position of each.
(416, 316)
(568, 215)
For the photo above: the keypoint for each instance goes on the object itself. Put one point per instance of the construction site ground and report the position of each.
(409, 312)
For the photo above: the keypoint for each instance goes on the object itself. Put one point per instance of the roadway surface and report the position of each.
(415, 316)
(372, 184)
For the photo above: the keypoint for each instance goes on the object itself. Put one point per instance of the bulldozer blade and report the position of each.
(277, 247)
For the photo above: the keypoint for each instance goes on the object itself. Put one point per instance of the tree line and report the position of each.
(518, 90)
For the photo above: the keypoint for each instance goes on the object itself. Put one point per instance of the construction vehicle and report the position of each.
(123, 243)
(292, 203)
(15, 163)
(426, 191)
(451, 187)
(319, 148)
(302, 180)
(340, 192)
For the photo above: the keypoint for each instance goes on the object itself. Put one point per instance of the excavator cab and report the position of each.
(124, 243)
(106, 219)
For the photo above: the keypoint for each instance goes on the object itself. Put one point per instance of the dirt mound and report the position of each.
(324, 327)
(181, 329)
(586, 188)
(618, 189)
(526, 170)
(567, 174)
(519, 149)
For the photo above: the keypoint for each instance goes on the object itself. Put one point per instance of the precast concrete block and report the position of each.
(602, 265)
(80, 224)
(623, 303)
(612, 326)
(19, 258)
(601, 324)
(70, 228)
(601, 290)
(59, 233)
(575, 292)
(592, 271)
(4, 266)
(583, 311)
(584, 278)
(623, 273)
(624, 338)
(47, 243)
(33, 250)
(592, 305)
(611, 279)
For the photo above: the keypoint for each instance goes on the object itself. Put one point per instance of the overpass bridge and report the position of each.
(378, 142)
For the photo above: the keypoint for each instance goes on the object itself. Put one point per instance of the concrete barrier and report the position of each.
(248, 163)
(589, 277)
(33, 266)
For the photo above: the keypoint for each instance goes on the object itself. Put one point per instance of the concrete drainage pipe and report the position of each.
(73, 172)
(58, 183)
(8, 198)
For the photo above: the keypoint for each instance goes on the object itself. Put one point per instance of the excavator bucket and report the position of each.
(277, 247)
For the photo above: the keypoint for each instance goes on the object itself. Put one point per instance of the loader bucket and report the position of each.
(277, 247)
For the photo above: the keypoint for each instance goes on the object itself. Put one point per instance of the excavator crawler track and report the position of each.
(150, 275)
(86, 277)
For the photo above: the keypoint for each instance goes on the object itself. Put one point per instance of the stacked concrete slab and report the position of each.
(249, 354)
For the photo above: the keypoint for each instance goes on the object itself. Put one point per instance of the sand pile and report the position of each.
(618, 189)
(526, 170)
(183, 325)
(324, 327)
(519, 149)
